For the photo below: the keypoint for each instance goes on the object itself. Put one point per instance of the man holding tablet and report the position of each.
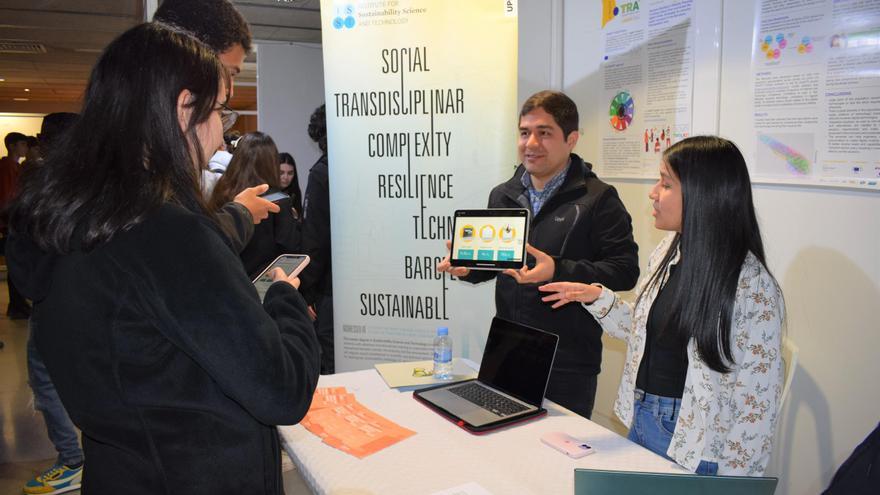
(576, 219)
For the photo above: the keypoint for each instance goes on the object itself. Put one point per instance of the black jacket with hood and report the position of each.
(588, 232)
(317, 278)
(164, 357)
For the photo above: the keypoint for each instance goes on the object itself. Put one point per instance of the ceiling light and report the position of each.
(2, 80)
(22, 99)
(26, 90)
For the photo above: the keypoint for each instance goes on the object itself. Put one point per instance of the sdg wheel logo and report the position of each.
(621, 110)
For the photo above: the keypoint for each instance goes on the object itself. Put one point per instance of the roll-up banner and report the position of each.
(422, 120)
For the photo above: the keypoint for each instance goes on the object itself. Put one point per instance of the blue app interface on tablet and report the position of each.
(489, 238)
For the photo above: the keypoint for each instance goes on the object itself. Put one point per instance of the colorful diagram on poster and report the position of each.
(797, 163)
(773, 46)
(621, 110)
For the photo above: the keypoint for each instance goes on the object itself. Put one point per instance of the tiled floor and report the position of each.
(25, 450)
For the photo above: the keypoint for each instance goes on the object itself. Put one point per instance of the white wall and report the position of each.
(290, 85)
(823, 247)
(540, 57)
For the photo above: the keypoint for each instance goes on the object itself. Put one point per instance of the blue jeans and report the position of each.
(62, 433)
(654, 420)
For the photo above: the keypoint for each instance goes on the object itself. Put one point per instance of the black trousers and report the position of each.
(573, 391)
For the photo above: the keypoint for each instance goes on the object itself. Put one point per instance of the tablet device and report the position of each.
(490, 239)
(292, 264)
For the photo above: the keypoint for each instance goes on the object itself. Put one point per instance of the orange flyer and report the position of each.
(343, 423)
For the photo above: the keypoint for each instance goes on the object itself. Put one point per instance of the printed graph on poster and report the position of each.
(785, 155)
(621, 110)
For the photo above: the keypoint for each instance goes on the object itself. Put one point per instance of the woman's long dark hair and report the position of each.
(127, 154)
(718, 229)
(254, 162)
(293, 190)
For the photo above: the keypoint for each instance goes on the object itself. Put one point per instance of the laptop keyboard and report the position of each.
(488, 399)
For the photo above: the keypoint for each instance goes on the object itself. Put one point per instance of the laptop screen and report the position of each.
(517, 360)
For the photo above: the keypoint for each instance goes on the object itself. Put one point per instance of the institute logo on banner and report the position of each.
(611, 9)
(344, 17)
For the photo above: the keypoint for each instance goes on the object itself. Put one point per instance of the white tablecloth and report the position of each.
(442, 455)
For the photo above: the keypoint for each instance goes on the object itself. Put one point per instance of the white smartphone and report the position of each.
(274, 196)
(292, 264)
(567, 444)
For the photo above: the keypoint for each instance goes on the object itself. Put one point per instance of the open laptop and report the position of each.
(511, 384)
(602, 482)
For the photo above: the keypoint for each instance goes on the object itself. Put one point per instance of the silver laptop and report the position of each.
(511, 384)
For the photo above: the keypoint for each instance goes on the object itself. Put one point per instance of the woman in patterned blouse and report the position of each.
(703, 373)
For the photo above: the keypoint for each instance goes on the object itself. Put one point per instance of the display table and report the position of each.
(442, 456)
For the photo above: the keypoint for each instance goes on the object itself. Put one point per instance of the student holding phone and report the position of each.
(703, 372)
(149, 325)
(256, 162)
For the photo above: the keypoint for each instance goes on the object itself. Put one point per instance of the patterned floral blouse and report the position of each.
(727, 418)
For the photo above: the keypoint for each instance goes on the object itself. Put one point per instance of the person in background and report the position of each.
(703, 373)
(10, 170)
(216, 167)
(290, 182)
(66, 473)
(152, 332)
(217, 24)
(33, 154)
(317, 278)
(255, 162)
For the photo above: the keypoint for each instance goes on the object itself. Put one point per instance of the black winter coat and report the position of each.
(588, 232)
(317, 279)
(164, 357)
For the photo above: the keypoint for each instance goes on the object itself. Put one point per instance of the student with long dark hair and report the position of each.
(254, 163)
(149, 326)
(703, 373)
(290, 181)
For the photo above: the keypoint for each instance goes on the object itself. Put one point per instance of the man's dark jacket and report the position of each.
(164, 357)
(317, 280)
(588, 232)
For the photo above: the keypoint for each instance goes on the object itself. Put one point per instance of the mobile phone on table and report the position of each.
(292, 264)
(567, 444)
(275, 196)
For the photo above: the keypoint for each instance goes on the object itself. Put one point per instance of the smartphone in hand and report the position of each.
(292, 264)
(275, 196)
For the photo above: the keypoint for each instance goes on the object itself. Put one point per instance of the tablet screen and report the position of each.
(492, 239)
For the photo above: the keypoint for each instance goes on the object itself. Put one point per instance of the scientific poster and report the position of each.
(421, 114)
(647, 74)
(816, 92)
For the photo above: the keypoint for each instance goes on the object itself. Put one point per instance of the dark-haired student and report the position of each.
(221, 27)
(155, 339)
(703, 373)
(254, 163)
(290, 181)
(317, 278)
(10, 171)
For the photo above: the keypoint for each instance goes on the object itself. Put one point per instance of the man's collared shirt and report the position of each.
(538, 198)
